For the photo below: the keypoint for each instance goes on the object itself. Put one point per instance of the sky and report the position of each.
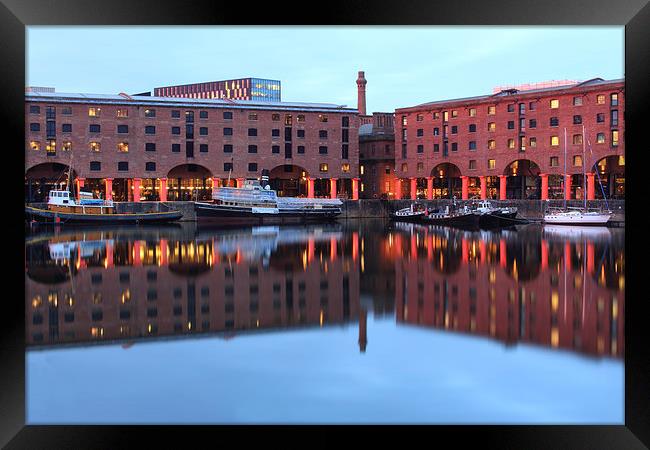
(404, 65)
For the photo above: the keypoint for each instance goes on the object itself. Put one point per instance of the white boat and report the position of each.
(414, 212)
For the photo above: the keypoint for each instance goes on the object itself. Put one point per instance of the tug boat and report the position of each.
(63, 208)
(253, 203)
(414, 213)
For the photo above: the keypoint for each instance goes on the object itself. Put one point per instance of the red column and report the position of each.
(465, 187)
(355, 245)
(483, 187)
(590, 257)
(333, 187)
(502, 253)
(591, 191)
(544, 177)
(355, 188)
(108, 182)
(136, 189)
(502, 187)
(310, 188)
(333, 249)
(544, 255)
(414, 188)
(80, 184)
(567, 187)
(163, 189)
(429, 188)
(311, 249)
(567, 256)
(398, 189)
(240, 182)
(215, 184)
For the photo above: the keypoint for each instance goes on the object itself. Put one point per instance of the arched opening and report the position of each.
(289, 180)
(474, 187)
(609, 177)
(523, 180)
(421, 188)
(42, 178)
(189, 182)
(446, 181)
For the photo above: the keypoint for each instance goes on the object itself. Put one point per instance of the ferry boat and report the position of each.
(253, 203)
(63, 208)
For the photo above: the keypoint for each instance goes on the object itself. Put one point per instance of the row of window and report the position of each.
(577, 139)
(123, 147)
(150, 166)
(189, 115)
(532, 106)
(554, 161)
(151, 129)
(532, 123)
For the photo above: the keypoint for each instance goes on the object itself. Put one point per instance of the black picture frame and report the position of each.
(15, 15)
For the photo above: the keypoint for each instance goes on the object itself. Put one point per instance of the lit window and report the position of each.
(555, 103)
(323, 167)
(404, 167)
(472, 112)
(420, 167)
(511, 143)
(300, 118)
(35, 145)
(600, 99)
(555, 141)
(386, 186)
(345, 167)
(94, 112)
(614, 138)
(492, 126)
(614, 99)
(445, 116)
(123, 147)
(95, 146)
(492, 110)
(436, 115)
(122, 112)
(492, 144)
(492, 163)
(322, 118)
(361, 169)
(454, 113)
(252, 116)
(600, 138)
(67, 146)
(50, 147)
(577, 160)
(150, 113)
(533, 142)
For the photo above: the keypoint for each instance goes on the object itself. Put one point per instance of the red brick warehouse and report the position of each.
(148, 148)
(511, 144)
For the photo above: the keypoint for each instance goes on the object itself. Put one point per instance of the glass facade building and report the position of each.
(239, 89)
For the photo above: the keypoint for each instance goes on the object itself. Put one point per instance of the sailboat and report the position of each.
(577, 216)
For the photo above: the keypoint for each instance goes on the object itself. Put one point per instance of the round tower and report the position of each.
(361, 96)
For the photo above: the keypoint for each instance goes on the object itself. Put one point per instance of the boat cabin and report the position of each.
(62, 198)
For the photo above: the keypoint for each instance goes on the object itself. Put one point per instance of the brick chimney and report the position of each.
(361, 87)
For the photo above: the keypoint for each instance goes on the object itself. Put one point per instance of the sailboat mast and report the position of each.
(565, 173)
(584, 174)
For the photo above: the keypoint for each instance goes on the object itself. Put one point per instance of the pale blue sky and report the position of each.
(404, 66)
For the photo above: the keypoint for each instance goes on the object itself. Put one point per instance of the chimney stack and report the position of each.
(361, 87)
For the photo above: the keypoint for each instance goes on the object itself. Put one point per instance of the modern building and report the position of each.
(377, 157)
(148, 148)
(512, 144)
(256, 89)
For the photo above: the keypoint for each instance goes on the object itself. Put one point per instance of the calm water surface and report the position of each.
(355, 322)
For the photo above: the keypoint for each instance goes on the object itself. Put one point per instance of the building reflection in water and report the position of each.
(123, 285)
(552, 286)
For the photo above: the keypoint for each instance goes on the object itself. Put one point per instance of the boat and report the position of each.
(254, 203)
(576, 216)
(492, 216)
(63, 208)
(460, 217)
(413, 213)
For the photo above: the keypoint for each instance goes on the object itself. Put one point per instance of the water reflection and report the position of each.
(555, 287)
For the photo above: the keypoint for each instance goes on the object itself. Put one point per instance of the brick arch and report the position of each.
(188, 169)
(195, 182)
(524, 166)
(290, 180)
(448, 169)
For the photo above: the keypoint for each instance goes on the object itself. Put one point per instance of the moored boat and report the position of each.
(413, 213)
(493, 216)
(460, 217)
(63, 208)
(578, 216)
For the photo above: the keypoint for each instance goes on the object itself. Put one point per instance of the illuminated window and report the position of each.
(345, 167)
(50, 147)
(123, 147)
(300, 118)
(492, 110)
(386, 186)
(472, 112)
(492, 163)
(122, 112)
(150, 113)
(492, 144)
(95, 146)
(600, 138)
(454, 113)
(35, 145)
(404, 167)
(323, 167)
(533, 142)
(492, 126)
(614, 138)
(613, 99)
(511, 143)
(252, 116)
(555, 161)
(361, 169)
(322, 118)
(67, 145)
(600, 99)
(420, 167)
(577, 139)
(94, 112)
(555, 103)
(445, 116)
(436, 115)
(577, 160)
(555, 141)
